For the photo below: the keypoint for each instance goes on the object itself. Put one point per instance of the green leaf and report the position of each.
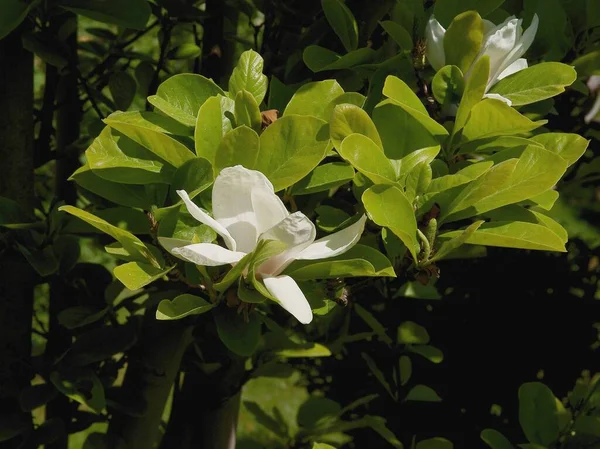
(239, 146)
(47, 47)
(449, 246)
(152, 121)
(117, 158)
(185, 51)
(399, 34)
(537, 413)
(246, 111)
(546, 199)
(513, 234)
(130, 242)
(290, 148)
(324, 177)
(400, 219)
(463, 40)
(122, 87)
(398, 91)
(535, 83)
(240, 337)
(234, 274)
(322, 446)
(43, 261)
(379, 375)
(347, 119)
(366, 157)
(247, 75)
(35, 396)
(80, 316)
(162, 145)
(132, 220)
(495, 440)
(81, 385)
(448, 85)
(418, 180)
(411, 333)
(568, 146)
(342, 21)
(316, 350)
(473, 93)
(212, 125)
(319, 59)
(422, 393)
(435, 443)
(309, 98)
(194, 176)
(347, 98)
(135, 275)
(373, 323)
(360, 260)
(393, 121)
(511, 181)
(431, 353)
(181, 96)
(182, 306)
(405, 368)
(554, 36)
(13, 13)
(493, 117)
(587, 65)
(446, 10)
(11, 212)
(422, 156)
(134, 16)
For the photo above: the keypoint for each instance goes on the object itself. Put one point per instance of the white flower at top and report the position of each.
(594, 86)
(504, 44)
(246, 210)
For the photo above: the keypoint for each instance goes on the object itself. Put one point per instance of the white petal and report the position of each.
(499, 97)
(290, 297)
(269, 209)
(434, 34)
(499, 43)
(593, 112)
(517, 66)
(519, 50)
(335, 244)
(297, 232)
(170, 244)
(203, 217)
(208, 254)
(233, 206)
(593, 83)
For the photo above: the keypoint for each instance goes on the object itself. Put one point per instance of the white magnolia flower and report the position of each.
(246, 210)
(594, 86)
(504, 44)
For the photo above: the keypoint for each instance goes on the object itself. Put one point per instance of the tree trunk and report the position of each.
(17, 277)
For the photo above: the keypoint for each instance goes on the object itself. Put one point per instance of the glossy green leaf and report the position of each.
(319, 59)
(246, 111)
(535, 83)
(567, 145)
(115, 157)
(240, 337)
(290, 148)
(446, 10)
(513, 234)
(448, 85)
(316, 350)
(212, 125)
(122, 88)
(194, 176)
(342, 21)
(152, 121)
(492, 117)
(309, 99)
(324, 177)
(422, 156)
(135, 15)
(398, 91)
(411, 333)
(185, 51)
(400, 219)
(234, 274)
(461, 177)
(373, 323)
(537, 413)
(81, 385)
(182, 306)
(495, 440)
(322, 446)
(13, 13)
(431, 353)
(239, 146)
(463, 40)
(134, 221)
(399, 34)
(546, 199)
(379, 375)
(347, 119)
(130, 242)
(449, 246)
(135, 275)
(417, 180)
(346, 98)
(360, 260)
(473, 93)
(181, 96)
(247, 75)
(422, 393)
(162, 145)
(366, 157)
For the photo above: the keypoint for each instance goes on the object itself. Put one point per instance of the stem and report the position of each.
(426, 247)
(16, 183)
